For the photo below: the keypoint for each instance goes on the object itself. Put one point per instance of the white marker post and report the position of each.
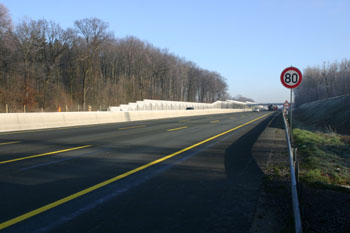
(291, 78)
(285, 106)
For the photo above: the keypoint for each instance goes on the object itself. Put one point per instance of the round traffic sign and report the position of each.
(291, 77)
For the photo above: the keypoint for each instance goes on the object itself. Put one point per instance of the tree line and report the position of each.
(43, 66)
(330, 80)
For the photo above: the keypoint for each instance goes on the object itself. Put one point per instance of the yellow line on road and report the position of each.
(7, 143)
(184, 127)
(114, 179)
(214, 121)
(44, 154)
(133, 127)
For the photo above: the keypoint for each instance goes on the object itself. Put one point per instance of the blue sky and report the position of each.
(247, 42)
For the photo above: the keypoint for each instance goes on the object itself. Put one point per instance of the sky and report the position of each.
(248, 42)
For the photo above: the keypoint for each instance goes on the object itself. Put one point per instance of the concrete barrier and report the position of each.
(154, 105)
(28, 121)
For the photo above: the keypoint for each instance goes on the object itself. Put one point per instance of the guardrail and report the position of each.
(293, 171)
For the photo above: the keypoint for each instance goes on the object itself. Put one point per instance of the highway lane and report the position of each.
(110, 150)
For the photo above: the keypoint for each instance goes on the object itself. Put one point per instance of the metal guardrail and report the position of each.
(295, 199)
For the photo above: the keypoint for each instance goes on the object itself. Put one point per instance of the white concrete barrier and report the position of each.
(154, 105)
(28, 121)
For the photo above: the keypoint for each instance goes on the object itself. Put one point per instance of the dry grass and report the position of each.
(345, 139)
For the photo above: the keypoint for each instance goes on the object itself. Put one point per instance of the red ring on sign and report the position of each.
(294, 69)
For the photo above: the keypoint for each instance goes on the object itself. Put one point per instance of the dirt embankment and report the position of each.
(324, 162)
(331, 114)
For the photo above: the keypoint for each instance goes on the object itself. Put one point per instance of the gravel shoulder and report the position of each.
(274, 210)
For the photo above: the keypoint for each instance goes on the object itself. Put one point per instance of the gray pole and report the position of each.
(290, 114)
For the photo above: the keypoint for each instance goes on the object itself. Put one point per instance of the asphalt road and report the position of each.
(192, 174)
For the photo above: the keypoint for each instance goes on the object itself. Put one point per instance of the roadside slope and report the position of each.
(328, 114)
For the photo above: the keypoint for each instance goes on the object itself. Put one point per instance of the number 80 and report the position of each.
(291, 78)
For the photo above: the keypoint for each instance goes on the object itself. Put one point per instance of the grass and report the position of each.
(324, 157)
(277, 171)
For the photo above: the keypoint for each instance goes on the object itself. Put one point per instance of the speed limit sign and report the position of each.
(291, 77)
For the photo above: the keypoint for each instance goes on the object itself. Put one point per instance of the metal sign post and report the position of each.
(290, 114)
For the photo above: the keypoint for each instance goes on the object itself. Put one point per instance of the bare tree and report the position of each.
(30, 38)
(43, 66)
(333, 79)
(5, 20)
(242, 98)
(94, 33)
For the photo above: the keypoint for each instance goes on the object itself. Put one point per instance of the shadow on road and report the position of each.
(240, 165)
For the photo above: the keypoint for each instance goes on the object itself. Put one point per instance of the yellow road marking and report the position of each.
(44, 154)
(133, 127)
(184, 127)
(109, 181)
(214, 121)
(7, 143)
(183, 121)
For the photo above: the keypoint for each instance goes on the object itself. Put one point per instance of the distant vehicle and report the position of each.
(272, 107)
(256, 110)
(189, 108)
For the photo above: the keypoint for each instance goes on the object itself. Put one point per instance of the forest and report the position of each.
(330, 80)
(43, 67)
